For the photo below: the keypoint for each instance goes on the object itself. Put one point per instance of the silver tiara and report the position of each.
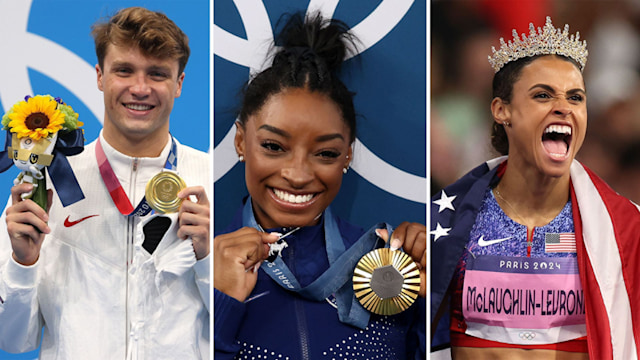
(546, 41)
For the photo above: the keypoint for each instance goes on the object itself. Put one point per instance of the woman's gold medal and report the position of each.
(386, 282)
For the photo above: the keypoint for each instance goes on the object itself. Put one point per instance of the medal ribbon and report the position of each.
(119, 197)
(335, 280)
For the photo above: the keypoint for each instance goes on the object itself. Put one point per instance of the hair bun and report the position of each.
(309, 54)
(314, 39)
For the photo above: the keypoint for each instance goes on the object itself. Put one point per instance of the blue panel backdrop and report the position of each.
(387, 180)
(48, 49)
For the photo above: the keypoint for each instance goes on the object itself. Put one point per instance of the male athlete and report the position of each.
(105, 277)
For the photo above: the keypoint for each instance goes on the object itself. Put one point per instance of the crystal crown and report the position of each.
(546, 41)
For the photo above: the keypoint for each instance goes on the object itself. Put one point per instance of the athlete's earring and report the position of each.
(506, 124)
(346, 168)
(241, 158)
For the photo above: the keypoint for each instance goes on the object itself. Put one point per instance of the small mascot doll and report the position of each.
(41, 131)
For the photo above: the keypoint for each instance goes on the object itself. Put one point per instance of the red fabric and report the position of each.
(626, 224)
(507, 15)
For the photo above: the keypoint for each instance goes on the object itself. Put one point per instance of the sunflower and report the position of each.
(37, 117)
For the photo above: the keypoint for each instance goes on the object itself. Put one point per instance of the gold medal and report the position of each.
(386, 282)
(162, 191)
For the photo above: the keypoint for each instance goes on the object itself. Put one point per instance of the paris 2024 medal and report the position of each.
(386, 282)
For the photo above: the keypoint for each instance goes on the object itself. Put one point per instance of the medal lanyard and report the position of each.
(118, 195)
(336, 279)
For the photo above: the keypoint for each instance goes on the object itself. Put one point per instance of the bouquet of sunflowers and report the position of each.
(41, 131)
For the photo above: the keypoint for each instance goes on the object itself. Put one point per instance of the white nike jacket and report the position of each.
(96, 292)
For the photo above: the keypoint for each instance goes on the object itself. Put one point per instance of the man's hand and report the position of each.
(193, 219)
(26, 225)
(237, 257)
(412, 238)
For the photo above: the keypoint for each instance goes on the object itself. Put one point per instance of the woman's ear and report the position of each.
(500, 111)
(239, 139)
(349, 157)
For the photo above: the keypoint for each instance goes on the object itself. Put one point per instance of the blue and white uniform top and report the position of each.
(518, 290)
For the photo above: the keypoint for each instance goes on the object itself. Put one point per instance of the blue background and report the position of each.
(68, 23)
(389, 79)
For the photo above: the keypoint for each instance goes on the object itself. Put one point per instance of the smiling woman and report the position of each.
(295, 134)
(295, 149)
(515, 275)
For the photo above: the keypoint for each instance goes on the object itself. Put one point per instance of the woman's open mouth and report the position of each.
(556, 140)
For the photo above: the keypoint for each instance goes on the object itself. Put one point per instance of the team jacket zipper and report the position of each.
(130, 239)
(301, 317)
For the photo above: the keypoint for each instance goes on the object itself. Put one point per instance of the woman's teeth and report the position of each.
(560, 129)
(295, 199)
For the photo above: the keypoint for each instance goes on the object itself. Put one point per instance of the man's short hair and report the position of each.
(150, 31)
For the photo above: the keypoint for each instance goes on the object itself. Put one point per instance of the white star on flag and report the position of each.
(445, 202)
(439, 232)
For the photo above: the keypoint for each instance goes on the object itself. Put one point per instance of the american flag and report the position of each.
(560, 242)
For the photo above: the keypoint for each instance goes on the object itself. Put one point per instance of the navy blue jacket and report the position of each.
(274, 323)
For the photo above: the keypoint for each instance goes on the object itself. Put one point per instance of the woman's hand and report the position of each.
(237, 256)
(412, 238)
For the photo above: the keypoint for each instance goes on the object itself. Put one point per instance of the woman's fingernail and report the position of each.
(395, 244)
(276, 234)
(256, 267)
(378, 233)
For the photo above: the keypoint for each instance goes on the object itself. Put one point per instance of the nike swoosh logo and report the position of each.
(483, 242)
(68, 223)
